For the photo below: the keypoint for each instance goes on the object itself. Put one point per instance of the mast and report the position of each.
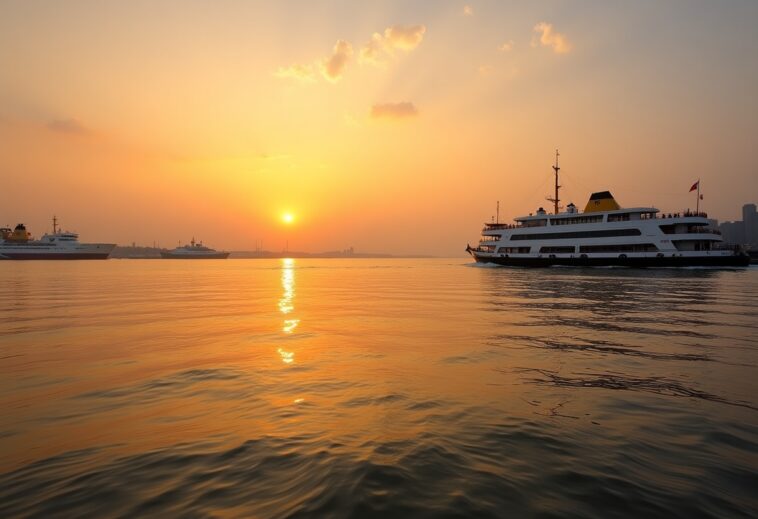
(497, 212)
(697, 204)
(55, 225)
(555, 198)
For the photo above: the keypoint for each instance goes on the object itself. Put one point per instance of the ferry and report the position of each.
(18, 244)
(605, 234)
(194, 251)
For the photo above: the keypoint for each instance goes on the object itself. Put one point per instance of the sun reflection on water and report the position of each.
(290, 325)
(286, 306)
(288, 357)
(288, 284)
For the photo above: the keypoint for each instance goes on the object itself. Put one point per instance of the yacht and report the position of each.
(18, 244)
(194, 251)
(605, 234)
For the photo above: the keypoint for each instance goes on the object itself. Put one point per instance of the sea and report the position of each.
(376, 388)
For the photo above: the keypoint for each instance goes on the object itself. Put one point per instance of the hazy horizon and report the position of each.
(391, 128)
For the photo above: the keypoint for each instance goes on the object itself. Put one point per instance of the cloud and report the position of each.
(379, 47)
(397, 37)
(545, 35)
(468, 10)
(507, 46)
(71, 126)
(402, 110)
(334, 66)
(373, 51)
(404, 37)
(297, 71)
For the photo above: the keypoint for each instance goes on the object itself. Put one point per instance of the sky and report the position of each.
(388, 126)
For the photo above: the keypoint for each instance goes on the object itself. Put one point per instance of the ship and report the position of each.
(18, 244)
(194, 251)
(605, 234)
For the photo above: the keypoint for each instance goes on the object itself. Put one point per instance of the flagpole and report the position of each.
(697, 204)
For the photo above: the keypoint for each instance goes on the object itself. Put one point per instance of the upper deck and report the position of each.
(543, 219)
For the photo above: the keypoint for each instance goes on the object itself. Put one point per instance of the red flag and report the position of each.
(694, 186)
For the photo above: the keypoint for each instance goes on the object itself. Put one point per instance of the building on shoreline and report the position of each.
(742, 232)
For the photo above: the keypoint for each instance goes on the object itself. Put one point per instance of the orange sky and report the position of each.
(389, 126)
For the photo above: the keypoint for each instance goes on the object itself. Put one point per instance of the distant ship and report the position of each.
(604, 234)
(194, 251)
(18, 244)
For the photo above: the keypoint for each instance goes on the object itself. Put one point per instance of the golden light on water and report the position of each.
(288, 286)
(286, 306)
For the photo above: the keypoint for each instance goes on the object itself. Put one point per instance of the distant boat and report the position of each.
(605, 234)
(194, 251)
(18, 244)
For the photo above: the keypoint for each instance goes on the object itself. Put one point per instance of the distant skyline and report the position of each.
(390, 127)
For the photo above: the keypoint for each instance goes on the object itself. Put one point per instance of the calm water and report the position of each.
(381, 388)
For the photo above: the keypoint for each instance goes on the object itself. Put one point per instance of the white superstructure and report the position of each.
(18, 244)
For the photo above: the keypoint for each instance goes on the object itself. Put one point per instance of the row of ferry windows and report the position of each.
(578, 234)
(619, 217)
(631, 247)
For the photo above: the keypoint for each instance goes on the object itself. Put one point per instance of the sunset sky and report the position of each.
(386, 126)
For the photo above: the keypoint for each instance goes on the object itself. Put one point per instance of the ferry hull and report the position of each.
(54, 255)
(216, 255)
(634, 262)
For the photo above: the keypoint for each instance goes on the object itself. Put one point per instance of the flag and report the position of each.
(694, 186)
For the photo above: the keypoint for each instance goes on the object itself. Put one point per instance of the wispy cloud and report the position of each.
(300, 72)
(468, 10)
(402, 110)
(334, 65)
(397, 37)
(404, 37)
(548, 37)
(374, 50)
(379, 47)
(71, 126)
(507, 46)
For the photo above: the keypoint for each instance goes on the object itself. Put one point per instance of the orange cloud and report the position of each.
(296, 71)
(545, 35)
(404, 37)
(401, 37)
(402, 110)
(334, 66)
(373, 51)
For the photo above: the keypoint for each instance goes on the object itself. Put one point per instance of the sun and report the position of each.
(288, 218)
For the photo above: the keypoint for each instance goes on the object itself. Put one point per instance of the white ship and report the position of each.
(18, 244)
(605, 234)
(194, 251)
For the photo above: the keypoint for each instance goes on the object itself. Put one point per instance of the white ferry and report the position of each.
(194, 251)
(18, 244)
(604, 234)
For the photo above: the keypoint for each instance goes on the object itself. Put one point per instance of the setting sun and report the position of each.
(288, 218)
